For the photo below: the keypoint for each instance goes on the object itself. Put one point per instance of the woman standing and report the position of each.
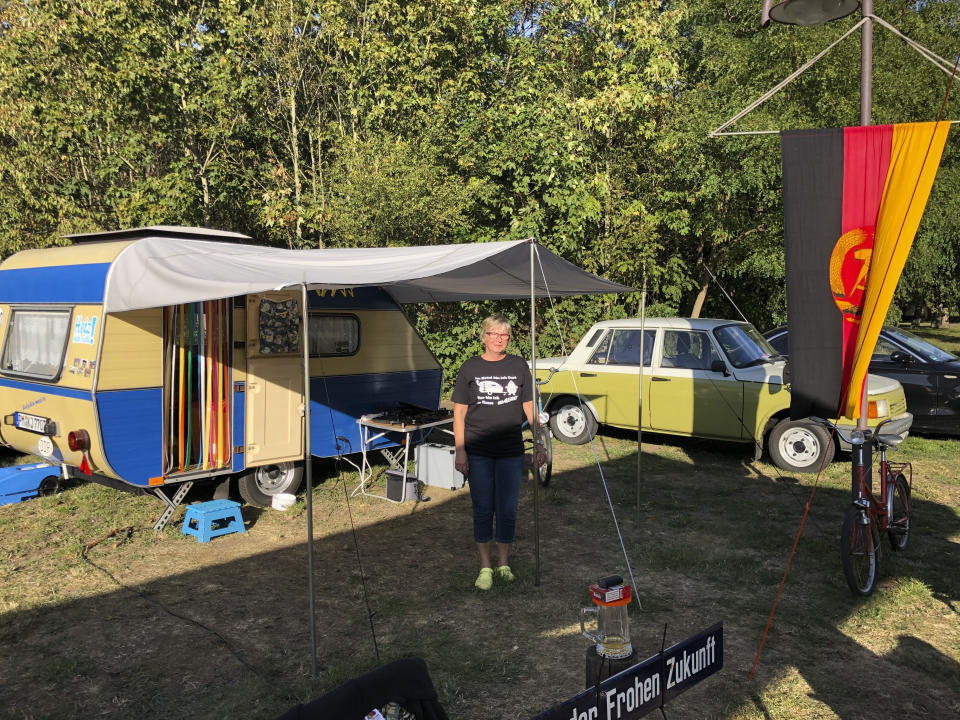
(492, 397)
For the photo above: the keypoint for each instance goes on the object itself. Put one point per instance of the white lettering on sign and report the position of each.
(85, 330)
(626, 701)
(588, 714)
(689, 664)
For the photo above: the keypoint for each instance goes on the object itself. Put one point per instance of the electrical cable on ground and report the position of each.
(593, 447)
(353, 526)
(128, 532)
(786, 571)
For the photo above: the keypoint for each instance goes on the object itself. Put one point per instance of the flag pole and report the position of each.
(536, 415)
(866, 108)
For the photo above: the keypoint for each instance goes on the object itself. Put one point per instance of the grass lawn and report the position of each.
(946, 337)
(102, 617)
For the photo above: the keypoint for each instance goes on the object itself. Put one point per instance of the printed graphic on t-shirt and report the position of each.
(493, 390)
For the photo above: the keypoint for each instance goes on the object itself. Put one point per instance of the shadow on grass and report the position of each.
(232, 638)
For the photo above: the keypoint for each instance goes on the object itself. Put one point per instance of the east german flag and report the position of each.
(852, 200)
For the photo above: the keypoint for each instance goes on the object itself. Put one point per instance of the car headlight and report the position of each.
(877, 409)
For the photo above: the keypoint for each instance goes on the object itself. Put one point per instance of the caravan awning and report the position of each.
(162, 270)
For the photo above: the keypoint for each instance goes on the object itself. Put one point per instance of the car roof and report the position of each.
(668, 322)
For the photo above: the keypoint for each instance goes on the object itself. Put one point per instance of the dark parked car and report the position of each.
(930, 376)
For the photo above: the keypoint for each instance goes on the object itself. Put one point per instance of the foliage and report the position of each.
(338, 123)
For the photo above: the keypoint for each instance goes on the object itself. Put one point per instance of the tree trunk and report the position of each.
(701, 298)
(944, 316)
(295, 160)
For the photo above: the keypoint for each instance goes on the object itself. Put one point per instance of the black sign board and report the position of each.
(648, 685)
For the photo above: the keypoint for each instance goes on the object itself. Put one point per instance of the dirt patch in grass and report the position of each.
(156, 625)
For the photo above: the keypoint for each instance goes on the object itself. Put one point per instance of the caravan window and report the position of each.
(36, 341)
(334, 335)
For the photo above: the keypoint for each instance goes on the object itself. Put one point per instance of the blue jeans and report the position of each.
(495, 490)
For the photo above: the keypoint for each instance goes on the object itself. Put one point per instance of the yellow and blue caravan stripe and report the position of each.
(160, 390)
(121, 412)
(390, 365)
(121, 416)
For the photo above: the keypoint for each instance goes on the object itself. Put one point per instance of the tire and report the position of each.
(572, 422)
(50, 485)
(859, 553)
(258, 485)
(545, 471)
(800, 446)
(898, 521)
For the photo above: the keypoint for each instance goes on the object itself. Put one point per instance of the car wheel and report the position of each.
(258, 485)
(572, 422)
(50, 485)
(800, 446)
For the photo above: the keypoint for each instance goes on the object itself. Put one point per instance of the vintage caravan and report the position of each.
(190, 389)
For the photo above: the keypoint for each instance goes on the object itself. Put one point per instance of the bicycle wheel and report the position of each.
(898, 525)
(858, 553)
(545, 471)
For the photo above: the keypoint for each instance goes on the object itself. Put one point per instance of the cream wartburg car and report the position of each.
(704, 378)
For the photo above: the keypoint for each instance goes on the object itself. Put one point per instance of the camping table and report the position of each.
(375, 426)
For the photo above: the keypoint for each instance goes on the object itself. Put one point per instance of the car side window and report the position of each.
(688, 349)
(599, 356)
(883, 350)
(781, 343)
(625, 347)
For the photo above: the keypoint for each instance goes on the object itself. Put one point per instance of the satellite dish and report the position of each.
(811, 12)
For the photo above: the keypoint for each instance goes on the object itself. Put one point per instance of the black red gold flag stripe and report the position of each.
(853, 198)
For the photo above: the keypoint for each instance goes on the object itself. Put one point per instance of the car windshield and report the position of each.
(744, 346)
(920, 346)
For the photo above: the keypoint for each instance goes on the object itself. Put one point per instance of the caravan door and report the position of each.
(274, 387)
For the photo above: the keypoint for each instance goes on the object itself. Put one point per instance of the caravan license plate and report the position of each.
(33, 423)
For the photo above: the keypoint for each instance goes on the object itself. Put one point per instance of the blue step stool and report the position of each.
(213, 518)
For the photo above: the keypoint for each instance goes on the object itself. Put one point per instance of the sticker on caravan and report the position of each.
(82, 367)
(84, 329)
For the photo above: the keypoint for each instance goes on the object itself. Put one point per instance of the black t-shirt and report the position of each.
(494, 392)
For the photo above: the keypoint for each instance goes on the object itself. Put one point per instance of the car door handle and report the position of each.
(583, 374)
(660, 379)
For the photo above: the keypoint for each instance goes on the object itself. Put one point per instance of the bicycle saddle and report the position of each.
(891, 441)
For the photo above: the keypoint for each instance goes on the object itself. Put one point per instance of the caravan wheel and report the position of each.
(258, 485)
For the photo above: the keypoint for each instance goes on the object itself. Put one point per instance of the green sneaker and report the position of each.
(505, 573)
(485, 579)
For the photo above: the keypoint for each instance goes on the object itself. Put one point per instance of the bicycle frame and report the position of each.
(870, 514)
(862, 480)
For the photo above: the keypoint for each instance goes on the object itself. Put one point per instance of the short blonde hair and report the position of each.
(492, 321)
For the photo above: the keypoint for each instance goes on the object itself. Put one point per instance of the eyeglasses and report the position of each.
(498, 336)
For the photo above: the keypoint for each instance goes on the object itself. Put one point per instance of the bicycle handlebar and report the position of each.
(553, 371)
(873, 434)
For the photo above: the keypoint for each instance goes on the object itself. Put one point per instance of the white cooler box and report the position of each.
(435, 466)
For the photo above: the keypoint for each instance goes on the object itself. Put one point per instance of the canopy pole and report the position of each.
(536, 415)
(308, 469)
(643, 308)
